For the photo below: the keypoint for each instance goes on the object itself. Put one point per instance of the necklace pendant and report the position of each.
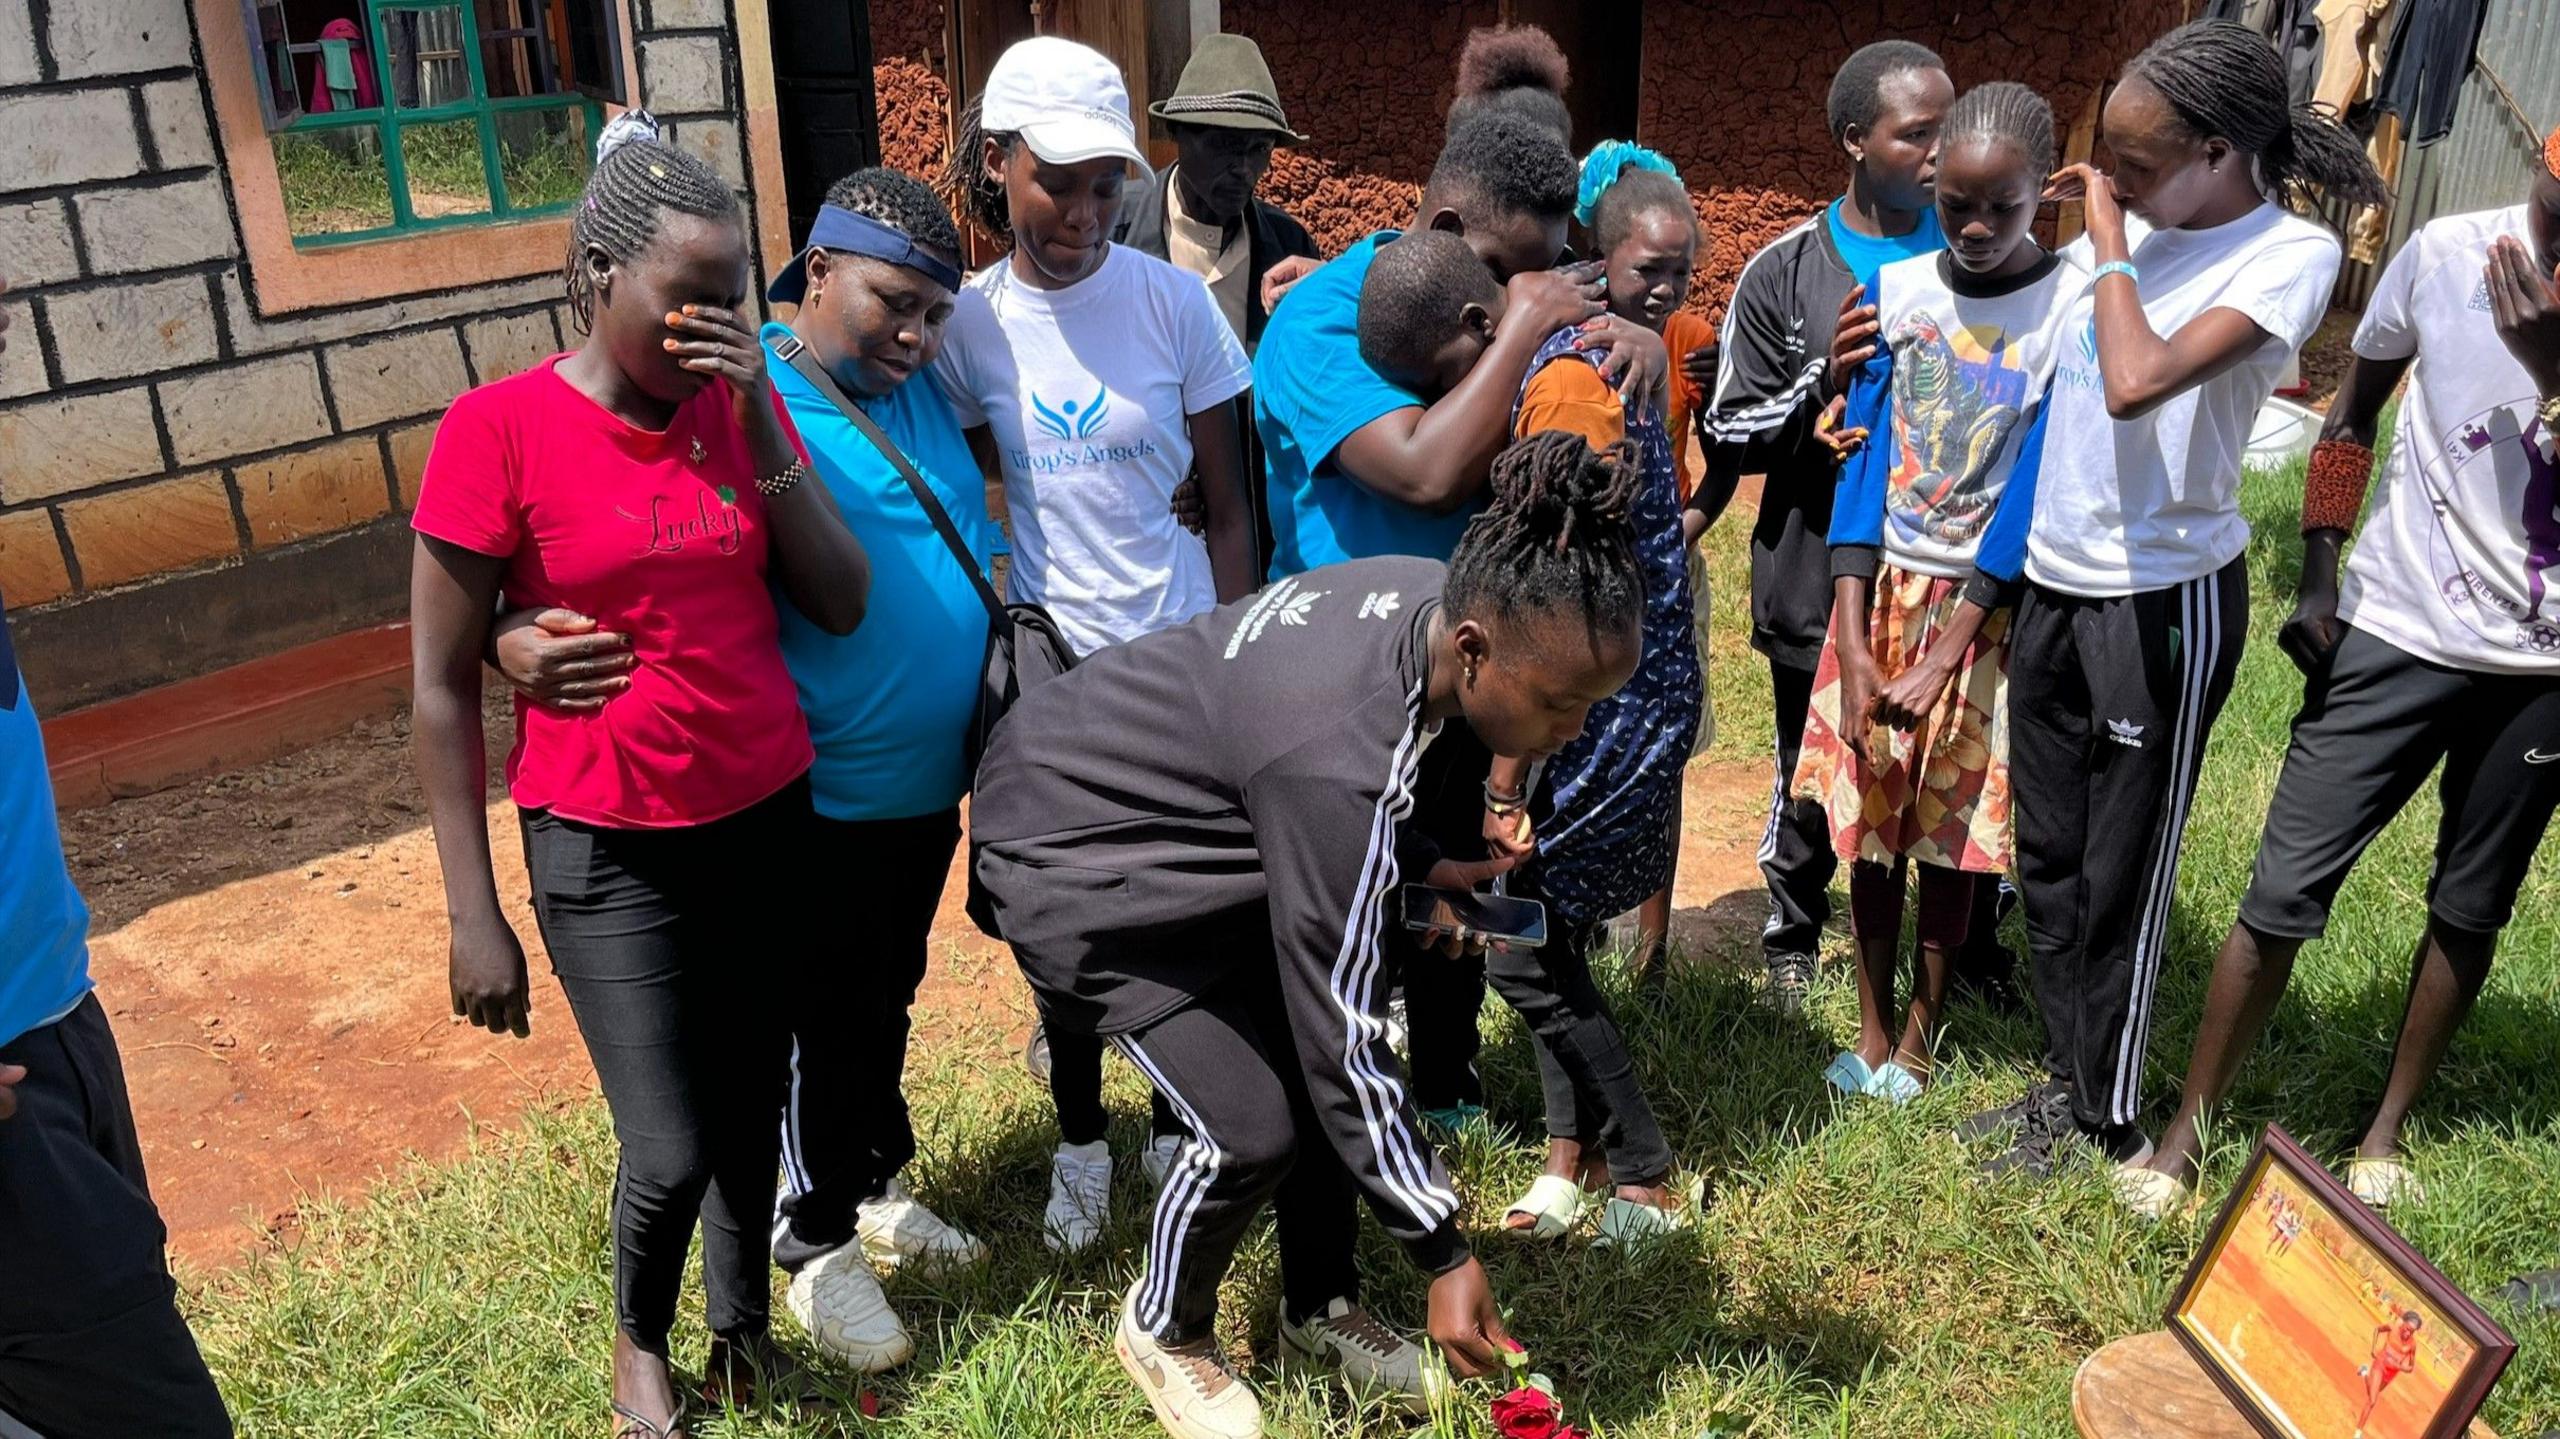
(697, 449)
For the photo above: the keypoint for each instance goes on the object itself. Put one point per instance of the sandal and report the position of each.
(1893, 1084)
(2537, 1290)
(1849, 1074)
(2150, 1194)
(631, 1424)
(1556, 1206)
(1625, 1222)
(2382, 1183)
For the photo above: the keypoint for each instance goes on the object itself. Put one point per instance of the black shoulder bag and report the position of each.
(1024, 645)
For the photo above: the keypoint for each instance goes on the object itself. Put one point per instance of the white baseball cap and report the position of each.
(1065, 100)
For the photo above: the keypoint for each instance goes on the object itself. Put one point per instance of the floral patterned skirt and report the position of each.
(1938, 794)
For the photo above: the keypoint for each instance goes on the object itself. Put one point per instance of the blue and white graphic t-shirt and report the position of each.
(44, 926)
(1085, 390)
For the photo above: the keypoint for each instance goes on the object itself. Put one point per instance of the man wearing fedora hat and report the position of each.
(1225, 118)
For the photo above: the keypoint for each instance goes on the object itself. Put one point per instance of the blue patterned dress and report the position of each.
(1612, 796)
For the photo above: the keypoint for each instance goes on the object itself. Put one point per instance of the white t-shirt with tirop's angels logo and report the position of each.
(2124, 506)
(1085, 391)
(2458, 559)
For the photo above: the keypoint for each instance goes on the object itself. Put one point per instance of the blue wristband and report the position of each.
(2117, 267)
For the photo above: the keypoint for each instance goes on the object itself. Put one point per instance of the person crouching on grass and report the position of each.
(1196, 844)
(1605, 828)
(1906, 749)
(647, 480)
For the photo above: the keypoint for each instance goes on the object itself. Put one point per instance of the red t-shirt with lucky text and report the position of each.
(659, 535)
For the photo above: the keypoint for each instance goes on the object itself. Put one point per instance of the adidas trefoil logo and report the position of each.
(1380, 605)
(2125, 732)
(1295, 611)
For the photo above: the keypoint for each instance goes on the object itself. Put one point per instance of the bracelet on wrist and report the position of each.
(784, 483)
(1502, 805)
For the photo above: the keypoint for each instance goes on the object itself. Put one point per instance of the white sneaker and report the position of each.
(1163, 1152)
(1374, 1362)
(837, 1299)
(1079, 1196)
(1195, 1396)
(2149, 1193)
(898, 1230)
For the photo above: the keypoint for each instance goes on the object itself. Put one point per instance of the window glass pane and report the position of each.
(446, 177)
(335, 182)
(428, 65)
(544, 155)
(515, 50)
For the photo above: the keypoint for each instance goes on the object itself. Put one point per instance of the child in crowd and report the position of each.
(1644, 232)
(1907, 746)
(1606, 798)
(1103, 376)
(2130, 632)
(1767, 417)
(647, 480)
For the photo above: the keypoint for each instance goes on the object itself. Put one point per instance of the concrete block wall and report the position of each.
(187, 481)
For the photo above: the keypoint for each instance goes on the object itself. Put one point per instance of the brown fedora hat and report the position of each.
(1226, 84)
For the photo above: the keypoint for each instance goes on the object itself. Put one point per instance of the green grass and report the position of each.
(542, 155)
(1849, 1277)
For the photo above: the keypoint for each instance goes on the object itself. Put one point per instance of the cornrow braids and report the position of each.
(964, 176)
(900, 201)
(1857, 91)
(2222, 79)
(2005, 110)
(1632, 196)
(1557, 539)
(634, 185)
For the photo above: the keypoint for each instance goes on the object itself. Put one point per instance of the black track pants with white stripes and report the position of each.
(1227, 1063)
(2110, 703)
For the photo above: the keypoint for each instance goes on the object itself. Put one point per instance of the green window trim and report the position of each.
(392, 123)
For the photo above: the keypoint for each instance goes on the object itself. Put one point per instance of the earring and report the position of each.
(1471, 674)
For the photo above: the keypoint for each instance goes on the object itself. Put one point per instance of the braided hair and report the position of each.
(980, 197)
(1632, 196)
(900, 201)
(1513, 70)
(1857, 91)
(1557, 539)
(635, 184)
(2004, 110)
(2222, 79)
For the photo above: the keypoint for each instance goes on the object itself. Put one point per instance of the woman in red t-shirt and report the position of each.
(646, 480)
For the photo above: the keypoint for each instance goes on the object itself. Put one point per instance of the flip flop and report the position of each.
(1893, 1084)
(2149, 1193)
(2382, 1183)
(1849, 1074)
(1556, 1206)
(1625, 1222)
(631, 1424)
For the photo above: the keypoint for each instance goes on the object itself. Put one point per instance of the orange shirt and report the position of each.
(1570, 395)
(1685, 331)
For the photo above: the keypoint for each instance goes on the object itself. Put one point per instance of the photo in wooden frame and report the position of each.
(2320, 1322)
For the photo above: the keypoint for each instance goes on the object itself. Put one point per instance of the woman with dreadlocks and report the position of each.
(646, 480)
(1195, 844)
(2129, 633)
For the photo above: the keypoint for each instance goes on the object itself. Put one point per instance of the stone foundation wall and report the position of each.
(185, 480)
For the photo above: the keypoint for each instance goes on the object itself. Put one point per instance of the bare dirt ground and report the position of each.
(271, 947)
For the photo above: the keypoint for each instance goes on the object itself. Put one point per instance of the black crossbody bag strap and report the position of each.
(797, 356)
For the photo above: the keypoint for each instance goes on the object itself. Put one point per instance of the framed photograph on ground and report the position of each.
(2320, 1322)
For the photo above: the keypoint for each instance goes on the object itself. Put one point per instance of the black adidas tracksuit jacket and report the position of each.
(1128, 812)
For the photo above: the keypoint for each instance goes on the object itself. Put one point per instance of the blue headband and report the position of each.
(841, 229)
(1602, 168)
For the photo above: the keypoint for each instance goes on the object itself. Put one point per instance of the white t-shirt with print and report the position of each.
(1085, 390)
(2458, 560)
(2130, 505)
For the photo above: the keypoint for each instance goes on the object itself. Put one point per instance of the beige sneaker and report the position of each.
(1374, 1361)
(2149, 1193)
(1194, 1394)
(837, 1299)
(898, 1231)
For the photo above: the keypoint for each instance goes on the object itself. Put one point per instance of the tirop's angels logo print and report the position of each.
(2511, 607)
(1063, 423)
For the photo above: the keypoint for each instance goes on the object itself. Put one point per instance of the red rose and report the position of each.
(1531, 1414)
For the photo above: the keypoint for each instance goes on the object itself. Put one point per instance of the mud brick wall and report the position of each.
(1758, 162)
(914, 99)
(187, 481)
